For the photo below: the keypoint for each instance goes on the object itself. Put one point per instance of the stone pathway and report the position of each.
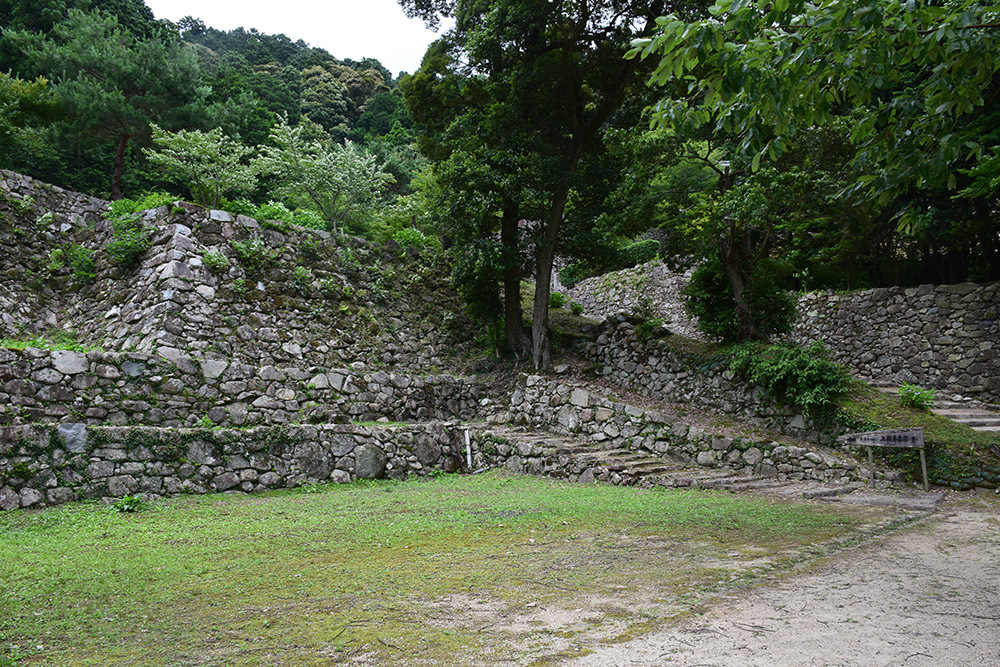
(925, 596)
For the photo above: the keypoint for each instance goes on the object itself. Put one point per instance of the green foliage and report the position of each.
(557, 299)
(129, 504)
(914, 72)
(409, 237)
(54, 339)
(113, 83)
(215, 261)
(81, 260)
(342, 181)
(709, 297)
(209, 163)
(804, 377)
(648, 325)
(912, 396)
(576, 308)
(254, 254)
(301, 280)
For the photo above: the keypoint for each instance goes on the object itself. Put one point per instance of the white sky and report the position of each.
(346, 28)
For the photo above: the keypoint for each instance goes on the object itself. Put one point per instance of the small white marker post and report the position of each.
(468, 449)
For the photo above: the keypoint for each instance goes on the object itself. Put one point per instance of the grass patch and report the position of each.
(397, 572)
(955, 452)
(54, 339)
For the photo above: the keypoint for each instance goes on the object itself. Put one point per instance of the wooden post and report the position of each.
(923, 469)
(871, 466)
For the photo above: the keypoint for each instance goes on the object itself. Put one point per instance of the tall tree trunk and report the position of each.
(513, 324)
(541, 349)
(116, 177)
(744, 316)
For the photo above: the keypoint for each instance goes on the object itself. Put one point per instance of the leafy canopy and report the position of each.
(920, 72)
(210, 163)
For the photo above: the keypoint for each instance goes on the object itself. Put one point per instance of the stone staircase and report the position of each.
(976, 416)
(566, 457)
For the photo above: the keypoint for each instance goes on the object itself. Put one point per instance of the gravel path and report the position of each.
(929, 595)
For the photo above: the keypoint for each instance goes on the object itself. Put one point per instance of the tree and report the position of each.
(113, 84)
(23, 104)
(553, 75)
(209, 163)
(919, 75)
(342, 181)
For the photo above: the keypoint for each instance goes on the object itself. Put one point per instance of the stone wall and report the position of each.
(313, 300)
(173, 388)
(48, 465)
(665, 373)
(945, 337)
(574, 409)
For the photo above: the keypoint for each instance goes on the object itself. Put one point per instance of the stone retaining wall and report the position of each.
(48, 465)
(655, 369)
(591, 418)
(945, 337)
(172, 388)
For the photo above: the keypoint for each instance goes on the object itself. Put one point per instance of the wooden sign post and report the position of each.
(912, 438)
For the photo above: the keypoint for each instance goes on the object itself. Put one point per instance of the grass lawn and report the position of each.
(490, 569)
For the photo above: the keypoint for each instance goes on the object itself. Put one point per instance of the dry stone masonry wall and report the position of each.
(174, 389)
(945, 337)
(655, 369)
(48, 465)
(606, 424)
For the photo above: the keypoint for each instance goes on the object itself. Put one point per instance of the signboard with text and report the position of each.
(912, 437)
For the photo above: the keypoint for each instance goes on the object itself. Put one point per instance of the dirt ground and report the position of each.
(927, 595)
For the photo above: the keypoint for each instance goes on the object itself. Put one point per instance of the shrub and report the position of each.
(576, 308)
(301, 280)
(129, 237)
(254, 254)
(709, 297)
(309, 219)
(129, 242)
(804, 377)
(912, 396)
(638, 253)
(557, 299)
(408, 237)
(215, 261)
(81, 260)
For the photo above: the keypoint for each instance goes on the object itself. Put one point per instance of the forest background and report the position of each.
(774, 145)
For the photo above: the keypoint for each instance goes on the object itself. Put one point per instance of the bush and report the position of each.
(912, 396)
(709, 297)
(129, 504)
(638, 253)
(576, 308)
(573, 273)
(804, 377)
(557, 299)
(215, 261)
(254, 254)
(129, 237)
(81, 261)
(129, 242)
(301, 280)
(408, 237)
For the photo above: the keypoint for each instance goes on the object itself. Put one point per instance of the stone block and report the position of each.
(73, 437)
(69, 363)
(369, 462)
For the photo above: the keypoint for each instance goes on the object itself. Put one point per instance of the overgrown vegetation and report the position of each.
(912, 396)
(801, 376)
